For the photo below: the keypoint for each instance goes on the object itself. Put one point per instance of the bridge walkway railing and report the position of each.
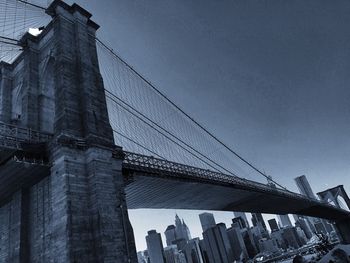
(13, 137)
(151, 164)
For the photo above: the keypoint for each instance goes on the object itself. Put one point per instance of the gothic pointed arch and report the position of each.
(342, 202)
(47, 97)
(16, 101)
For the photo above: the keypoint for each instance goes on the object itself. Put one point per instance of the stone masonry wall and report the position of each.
(78, 212)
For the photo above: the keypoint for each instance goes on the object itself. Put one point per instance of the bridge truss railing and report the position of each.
(12, 136)
(151, 164)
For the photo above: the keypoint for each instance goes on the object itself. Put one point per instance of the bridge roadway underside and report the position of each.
(147, 190)
(20, 169)
(157, 188)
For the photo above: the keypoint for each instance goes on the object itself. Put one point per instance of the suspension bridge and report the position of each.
(83, 137)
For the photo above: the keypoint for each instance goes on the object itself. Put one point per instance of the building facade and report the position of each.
(155, 247)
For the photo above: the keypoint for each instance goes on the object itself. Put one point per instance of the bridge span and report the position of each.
(152, 182)
(64, 184)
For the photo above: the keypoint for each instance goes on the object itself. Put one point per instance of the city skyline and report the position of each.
(236, 241)
(273, 88)
(164, 217)
(195, 228)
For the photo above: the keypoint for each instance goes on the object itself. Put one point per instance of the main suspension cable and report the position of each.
(188, 116)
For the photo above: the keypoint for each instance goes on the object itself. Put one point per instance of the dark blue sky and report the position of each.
(271, 78)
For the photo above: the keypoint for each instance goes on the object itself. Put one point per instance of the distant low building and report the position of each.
(291, 238)
(142, 257)
(173, 255)
(302, 237)
(277, 236)
(268, 245)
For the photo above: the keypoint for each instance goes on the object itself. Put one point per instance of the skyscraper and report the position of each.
(217, 244)
(239, 250)
(181, 229)
(193, 252)
(243, 216)
(304, 186)
(256, 218)
(284, 220)
(155, 247)
(170, 234)
(273, 224)
(239, 222)
(304, 224)
(258, 222)
(207, 220)
(249, 242)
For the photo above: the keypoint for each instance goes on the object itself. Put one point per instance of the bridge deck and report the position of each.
(22, 158)
(156, 183)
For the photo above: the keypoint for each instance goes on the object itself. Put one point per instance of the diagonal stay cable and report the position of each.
(171, 134)
(166, 136)
(138, 144)
(174, 105)
(9, 41)
(31, 4)
(189, 117)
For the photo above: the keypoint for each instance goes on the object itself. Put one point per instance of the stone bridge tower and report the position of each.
(70, 207)
(333, 194)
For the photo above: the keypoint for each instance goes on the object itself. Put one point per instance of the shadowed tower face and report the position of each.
(74, 210)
